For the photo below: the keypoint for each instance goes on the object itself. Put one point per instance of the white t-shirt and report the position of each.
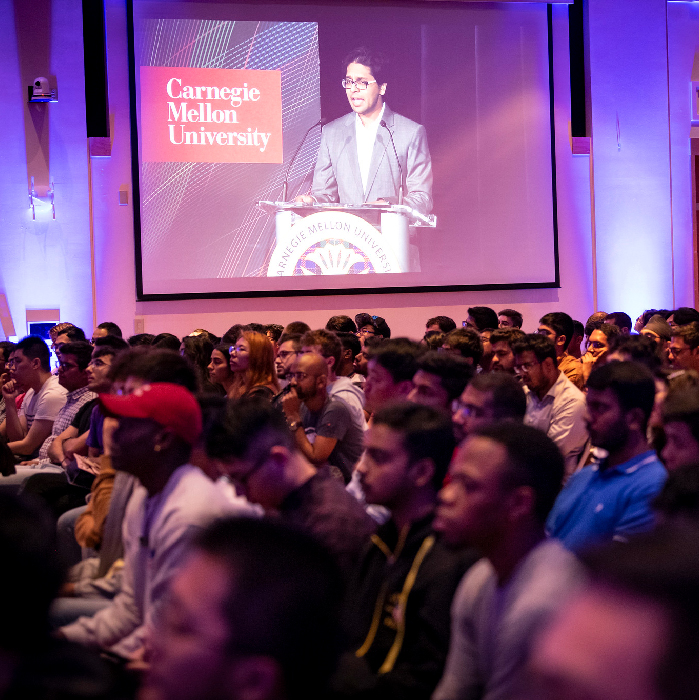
(45, 404)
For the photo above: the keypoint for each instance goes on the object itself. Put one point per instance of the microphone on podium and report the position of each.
(321, 123)
(400, 169)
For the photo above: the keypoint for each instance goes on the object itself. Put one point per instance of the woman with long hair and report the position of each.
(219, 368)
(197, 349)
(252, 363)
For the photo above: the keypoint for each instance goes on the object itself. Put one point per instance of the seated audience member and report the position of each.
(141, 339)
(554, 404)
(487, 357)
(487, 399)
(274, 331)
(381, 329)
(390, 371)
(105, 329)
(26, 429)
(197, 349)
(252, 362)
(683, 352)
(503, 482)
(558, 327)
(166, 341)
(351, 347)
(610, 499)
(223, 635)
(157, 426)
(440, 379)
(72, 334)
(440, 323)
(644, 318)
(55, 330)
(635, 348)
(596, 319)
(219, 368)
(621, 320)
(680, 416)
(501, 340)
(233, 333)
(509, 318)
(289, 349)
(255, 449)
(361, 360)
(328, 346)
(683, 316)
(659, 330)
(299, 327)
(341, 324)
(256, 328)
(6, 348)
(481, 317)
(322, 425)
(465, 342)
(598, 347)
(576, 340)
(633, 632)
(399, 599)
(678, 500)
(433, 339)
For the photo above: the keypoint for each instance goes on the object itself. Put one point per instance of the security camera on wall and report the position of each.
(41, 92)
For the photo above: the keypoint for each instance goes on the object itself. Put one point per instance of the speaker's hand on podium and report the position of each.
(304, 199)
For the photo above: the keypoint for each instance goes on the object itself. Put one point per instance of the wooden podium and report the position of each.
(342, 239)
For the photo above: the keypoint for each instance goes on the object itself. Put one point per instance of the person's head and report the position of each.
(440, 323)
(504, 479)
(599, 339)
(145, 339)
(487, 399)
(464, 342)
(633, 632)
(683, 352)
(29, 360)
(253, 613)
(309, 376)
(58, 328)
(576, 340)
(390, 371)
(501, 340)
(481, 317)
(621, 320)
(73, 364)
(341, 324)
(138, 366)
(351, 347)
(644, 318)
(325, 344)
(635, 348)
(299, 327)
(433, 340)
(620, 398)
(678, 500)
(197, 349)
(536, 362)
(557, 327)
(289, 348)
(365, 81)
(658, 329)
(253, 357)
(408, 449)
(103, 353)
(365, 320)
(105, 329)
(683, 316)
(166, 341)
(361, 360)
(487, 349)
(68, 335)
(233, 333)
(219, 369)
(440, 379)
(680, 416)
(274, 331)
(159, 423)
(6, 348)
(509, 318)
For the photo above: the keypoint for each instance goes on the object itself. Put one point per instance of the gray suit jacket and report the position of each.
(336, 177)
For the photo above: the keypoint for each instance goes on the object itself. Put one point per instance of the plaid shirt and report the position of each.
(74, 402)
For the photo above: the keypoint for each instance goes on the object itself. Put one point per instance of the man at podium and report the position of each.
(366, 156)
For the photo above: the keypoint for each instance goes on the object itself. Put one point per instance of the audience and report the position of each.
(464, 342)
(289, 349)
(509, 318)
(559, 328)
(390, 371)
(621, 320)
(501, 340)
(481, 318)
(683, 352)
(680, 416)
(252, 363)
(219, 368)
(105, 329)
(443, 324)
(440, 379)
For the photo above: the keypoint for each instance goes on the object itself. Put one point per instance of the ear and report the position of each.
(561, 341)
(330, 362)
(347, 354)
(521, 503)
(254, 678)
(165, 438)
(36, 363)
(422, 472)
(635, 418)
(382, 89)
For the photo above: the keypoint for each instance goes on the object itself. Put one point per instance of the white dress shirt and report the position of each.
(366, 135)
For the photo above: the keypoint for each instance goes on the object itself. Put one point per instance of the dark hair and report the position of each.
(294, 338)
(484, 317)
(540, 345)
(350, 342)
(230, 337)
(275, 330)
(285, 591)
(375, 61)
(379, 324)
(591, 326)
(154, 365)
(341, 324)
(166, 341)
(682, 405)
(508, 397)
(639, 348)
(507, 335)
(297, 327)
(467, 342)
(688, 333)
(197, 349)
(609, 330)
(112, 343)
(578, 328)
(620, 319)
(33, 347)
(81, 350)
(224, 350)
(631, 383)
(533, 460)
(256, 328)
(516, 317)
(662, 567)
(427, 434)
(111, 328)
(330, 345)
(647, 314)
(685, 315)
(7, 347)
(561, 323)
(73, 333)
(141, 339)
(445, 323)
(398, 357)
(454, 372)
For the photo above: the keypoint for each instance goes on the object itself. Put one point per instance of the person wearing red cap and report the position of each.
(157, 427)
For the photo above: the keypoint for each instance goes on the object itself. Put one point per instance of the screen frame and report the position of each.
(384, 289)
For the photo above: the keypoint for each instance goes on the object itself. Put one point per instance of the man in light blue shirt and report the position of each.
(611, 499)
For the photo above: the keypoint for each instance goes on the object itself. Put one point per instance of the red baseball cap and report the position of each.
(171, 405)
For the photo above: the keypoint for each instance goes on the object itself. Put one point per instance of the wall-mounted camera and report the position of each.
(41, 91)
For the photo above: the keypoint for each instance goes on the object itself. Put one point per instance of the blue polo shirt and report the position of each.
(602, 504)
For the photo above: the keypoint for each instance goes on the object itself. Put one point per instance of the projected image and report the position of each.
(291, 149)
